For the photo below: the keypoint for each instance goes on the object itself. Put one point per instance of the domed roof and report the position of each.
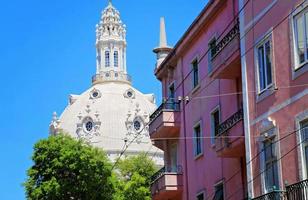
(107, 115)
(111, 113)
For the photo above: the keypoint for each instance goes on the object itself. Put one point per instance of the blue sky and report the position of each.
(47, 52)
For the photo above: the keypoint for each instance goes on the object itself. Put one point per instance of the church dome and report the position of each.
(111, 113)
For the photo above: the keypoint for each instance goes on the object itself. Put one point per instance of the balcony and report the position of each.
(226, 62)
(167, 183)
(229, 141)
(275, 195)
(111, 76)
(298, 191)
(165, 122)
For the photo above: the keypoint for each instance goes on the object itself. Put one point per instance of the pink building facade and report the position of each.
(193, 124)
(235, 110)
(274, 66)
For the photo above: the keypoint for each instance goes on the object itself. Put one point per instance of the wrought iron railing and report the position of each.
(230, 122)
(298, 191)
(234, 32)
(166, 170)
(111, 76)
(166, 106)
(274, 195)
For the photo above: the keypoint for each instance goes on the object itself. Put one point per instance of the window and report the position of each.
(171, 93)
(219, 192)
(301, 38)
(197, 140)
(271, 166)
(99, 57)
(116, 58)
(265, 77)
(304, 142)
(211, 53)
(200, 196)
(215, 121)
(195, 66)
(107, 59)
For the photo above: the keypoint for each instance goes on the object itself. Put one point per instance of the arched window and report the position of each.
(116, 58)
(98, 57)
(107, 59)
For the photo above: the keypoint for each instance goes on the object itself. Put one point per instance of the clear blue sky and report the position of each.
(47, 52)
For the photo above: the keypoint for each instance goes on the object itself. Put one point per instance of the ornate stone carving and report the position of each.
(88, 127)
(136, 123)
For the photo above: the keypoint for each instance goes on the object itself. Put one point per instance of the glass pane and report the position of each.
(300, 39)
(267, 151)
(268, 63)
(116, 59)
(306, 31)
(216, 122)
(219, 192)
(306, 157)
(107, 59)
(200, 197)
(261, 67)
(304, 131)
(275, 175)
(269, 177)
(196, 75)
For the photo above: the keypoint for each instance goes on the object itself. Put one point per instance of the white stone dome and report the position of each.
(111, 114)
(107, 115)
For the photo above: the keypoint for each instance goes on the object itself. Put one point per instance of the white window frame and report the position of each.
(196, 154)
(303, 174)
(222, 182)
(273, 136)
(296, 16)
(210, 56)
(201, 193)
(217, 108)
(265, 39)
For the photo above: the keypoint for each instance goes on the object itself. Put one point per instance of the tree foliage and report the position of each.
(134, 174)
(65, 168)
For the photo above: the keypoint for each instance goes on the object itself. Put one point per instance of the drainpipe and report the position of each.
(249, 172)
(184, 127)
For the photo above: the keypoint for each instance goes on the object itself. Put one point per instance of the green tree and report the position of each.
(65, 168)
(135, 174)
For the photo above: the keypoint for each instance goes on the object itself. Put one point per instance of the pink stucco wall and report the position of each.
(275, 18)
(202, 173)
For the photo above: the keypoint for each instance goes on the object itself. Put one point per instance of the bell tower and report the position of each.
(110, 47)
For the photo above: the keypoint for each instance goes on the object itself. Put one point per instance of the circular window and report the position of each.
(88, 125)
(95, 94)
(129, 94)
(137, 125)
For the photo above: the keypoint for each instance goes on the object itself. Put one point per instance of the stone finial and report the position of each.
(162, 34)
(163, 49)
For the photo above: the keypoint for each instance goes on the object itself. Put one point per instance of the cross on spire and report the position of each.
(110, 1)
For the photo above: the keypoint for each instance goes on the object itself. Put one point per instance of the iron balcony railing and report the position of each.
(166, 106)
(234, 32)
(230, 122)
(274, 195)
(166, 170)
(298, 191)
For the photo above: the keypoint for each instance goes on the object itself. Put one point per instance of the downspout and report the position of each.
(249, 172)
(184, 127)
